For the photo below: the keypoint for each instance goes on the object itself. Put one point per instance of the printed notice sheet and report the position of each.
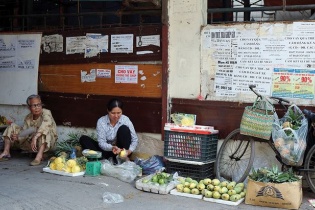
(121, 43)
(19, 58)
(126, 74)
(52, 43)
(75, 44)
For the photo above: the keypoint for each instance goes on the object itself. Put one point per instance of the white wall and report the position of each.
(185, 20)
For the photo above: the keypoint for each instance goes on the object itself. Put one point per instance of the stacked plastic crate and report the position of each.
(190, 151)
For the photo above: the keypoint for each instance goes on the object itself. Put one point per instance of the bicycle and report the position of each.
(236, 154)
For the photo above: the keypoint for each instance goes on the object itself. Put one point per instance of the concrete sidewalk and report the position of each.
(28, 187)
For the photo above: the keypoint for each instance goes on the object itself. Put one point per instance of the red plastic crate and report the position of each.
(190, 146)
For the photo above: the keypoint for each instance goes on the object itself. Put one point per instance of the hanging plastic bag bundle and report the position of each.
(289, 136)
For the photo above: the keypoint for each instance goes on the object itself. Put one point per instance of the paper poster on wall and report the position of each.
(52, 43)
(121, 43)
(293, 83)
(282, 82)
(303, 29)
(279, 58)
(75, 44)
(142, 41)
(95, 44)
(88, 77)
(126, 74)
(19, 57)
(303, 82)
(103, 73)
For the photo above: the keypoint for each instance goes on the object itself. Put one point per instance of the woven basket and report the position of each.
(256, 122)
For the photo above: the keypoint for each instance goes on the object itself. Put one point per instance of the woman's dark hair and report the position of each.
(114, 102)
(31, 97)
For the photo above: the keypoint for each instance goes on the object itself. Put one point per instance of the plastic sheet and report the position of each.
(109, 197)
(126, 171)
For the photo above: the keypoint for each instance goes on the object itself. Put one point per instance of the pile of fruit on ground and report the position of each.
(212, 188)
(61, 163)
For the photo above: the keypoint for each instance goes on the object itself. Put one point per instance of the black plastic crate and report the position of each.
(193, 171)
(190, 146)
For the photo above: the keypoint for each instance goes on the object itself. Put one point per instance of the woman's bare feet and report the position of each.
(5, 155)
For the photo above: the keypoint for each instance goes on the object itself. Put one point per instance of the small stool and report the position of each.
(93, 168)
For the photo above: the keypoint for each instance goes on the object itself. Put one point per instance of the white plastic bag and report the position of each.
(126, 171)
(109, 197)
(289, 136)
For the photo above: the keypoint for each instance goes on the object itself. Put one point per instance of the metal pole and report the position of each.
(273, 8)
(246, 13)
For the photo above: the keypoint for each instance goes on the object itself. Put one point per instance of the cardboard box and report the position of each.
(286, 195)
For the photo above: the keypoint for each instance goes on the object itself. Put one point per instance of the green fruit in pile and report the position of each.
(188, 179)
(233, 198)
(186, 190)
(180, 187)
(154, 179)
(224, 183)
(181, 180)
(210, 187)
(186, 184)
(215, 182)
(225, 196)
(207, 181)
(231, 185)
(231, 192)
(217, 188)
(223, 190)
(208, 194)
(238, 190)
(161, 181)
(195, 191)
(192, 185)
(201, 186)
(216, 195)
(242, 194)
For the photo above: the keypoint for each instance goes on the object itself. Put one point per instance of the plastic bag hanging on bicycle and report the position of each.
(289, 136)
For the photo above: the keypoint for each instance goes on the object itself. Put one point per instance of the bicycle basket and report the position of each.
(257, 119)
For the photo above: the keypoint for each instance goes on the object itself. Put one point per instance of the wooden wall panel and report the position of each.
(66, 78)
(81, 110)
(224, 116)
(55, 58)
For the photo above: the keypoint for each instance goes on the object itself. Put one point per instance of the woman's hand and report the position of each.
(14, 137)
(34, 142)
(116, 150)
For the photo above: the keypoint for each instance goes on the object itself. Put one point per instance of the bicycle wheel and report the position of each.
(235, 157)
(309, 164)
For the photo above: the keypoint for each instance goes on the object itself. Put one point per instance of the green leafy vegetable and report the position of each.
(273, 175)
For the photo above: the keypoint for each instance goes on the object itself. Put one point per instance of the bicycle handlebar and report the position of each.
(309, 115)
(280, 100)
